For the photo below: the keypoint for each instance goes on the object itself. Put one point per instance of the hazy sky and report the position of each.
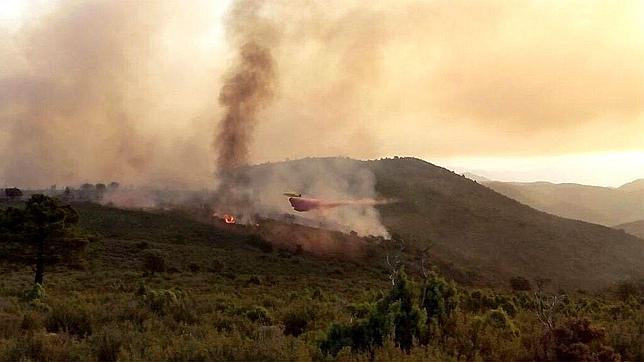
(512, 90)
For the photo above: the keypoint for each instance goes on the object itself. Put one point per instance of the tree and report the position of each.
(42, 233)
(439, 299)
(13, 193)
(87, 191)
(396, 313)
(409, 319)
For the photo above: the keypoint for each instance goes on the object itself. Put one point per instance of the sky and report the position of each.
(510, 90)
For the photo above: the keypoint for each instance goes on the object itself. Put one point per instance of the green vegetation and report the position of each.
(163, 287)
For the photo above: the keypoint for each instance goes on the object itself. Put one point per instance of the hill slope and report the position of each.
(635, 228)
(600, 205)
(478, 235)
(637, 185)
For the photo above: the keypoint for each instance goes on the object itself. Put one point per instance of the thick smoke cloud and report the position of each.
(85, 92)
(127, 90)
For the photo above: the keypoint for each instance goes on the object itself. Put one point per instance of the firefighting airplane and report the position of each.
(304, 204)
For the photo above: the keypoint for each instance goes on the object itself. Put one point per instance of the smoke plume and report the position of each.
(245, 92)
(127, 90)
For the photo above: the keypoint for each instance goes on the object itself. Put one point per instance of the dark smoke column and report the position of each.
(248, 90)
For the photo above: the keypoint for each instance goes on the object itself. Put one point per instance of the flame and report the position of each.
(229, 219)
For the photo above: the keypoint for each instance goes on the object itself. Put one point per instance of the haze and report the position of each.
(128, 91)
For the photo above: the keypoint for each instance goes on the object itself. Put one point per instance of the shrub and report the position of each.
(258, 314)
(362, 334)
(298, 249)
(395, 313)
(154, 261)
(297, 319)
(9, 325)
(629, 289)
(254, 279)
(520, 284)
(31, 322)
(39, 347)
(69, 318)
(167, 302)
(162, 301)
(36, 293)
(579, 340)
(107, 344)
(495, 337)
(142, 245)
(317, 294)
(216, 266)
(256, 241)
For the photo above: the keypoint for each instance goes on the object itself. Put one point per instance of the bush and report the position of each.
(107, 345)
(162, 301)
(31, 322)
(154, 261)
(216, 266)
(70, 319)
(579, 340)
(396, 315)
(39, 347)
(254, 279)
(258, 314)
(297, 319)
(495, 336)
(167, 302)
(256, 241)
(362, 334)
(36, 293)
(629, 289)
(520, 284)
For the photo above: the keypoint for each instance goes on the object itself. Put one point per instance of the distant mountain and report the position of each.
(637, 185)
(600, 205)
(635, 228)
(478, 235)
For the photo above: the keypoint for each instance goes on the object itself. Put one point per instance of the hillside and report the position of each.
(635, 228)
(480, 236)
(637, 185)
(600, 205)
(223, 294)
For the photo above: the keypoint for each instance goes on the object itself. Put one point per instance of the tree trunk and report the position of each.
(40, 262)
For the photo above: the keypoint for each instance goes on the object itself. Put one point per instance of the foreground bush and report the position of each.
(69, 318)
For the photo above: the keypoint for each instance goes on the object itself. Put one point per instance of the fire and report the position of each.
(229, 219)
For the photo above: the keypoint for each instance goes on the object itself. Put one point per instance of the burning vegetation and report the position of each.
(229, 219)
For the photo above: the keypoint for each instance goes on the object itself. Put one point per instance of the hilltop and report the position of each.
(637, 185)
